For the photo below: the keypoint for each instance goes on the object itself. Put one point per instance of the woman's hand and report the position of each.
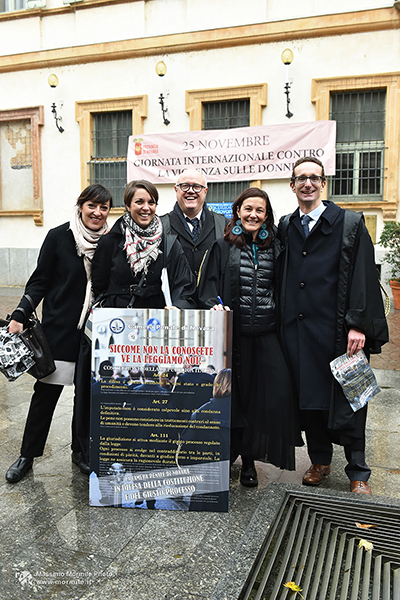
(15, 327)
(220, 307)
(171, 308)
(355, 341)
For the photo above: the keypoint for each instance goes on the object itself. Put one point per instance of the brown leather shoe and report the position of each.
(315, 474)
(360, 487)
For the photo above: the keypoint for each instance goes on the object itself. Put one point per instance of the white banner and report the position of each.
(240, 154)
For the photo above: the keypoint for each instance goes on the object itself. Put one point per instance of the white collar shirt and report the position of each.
(198, 216)
(314, 215)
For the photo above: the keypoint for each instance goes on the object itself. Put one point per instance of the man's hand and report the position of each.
(355, 341)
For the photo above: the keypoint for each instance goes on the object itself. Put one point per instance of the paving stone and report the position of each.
(46, 525)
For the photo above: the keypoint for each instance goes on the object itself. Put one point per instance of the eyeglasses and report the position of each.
(313, 179)
(196, 187)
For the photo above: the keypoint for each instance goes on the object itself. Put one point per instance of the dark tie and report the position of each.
(196, 228)
(305, 220)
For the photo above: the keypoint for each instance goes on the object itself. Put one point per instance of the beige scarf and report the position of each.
(86, 242)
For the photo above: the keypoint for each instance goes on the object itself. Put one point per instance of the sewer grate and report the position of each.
(314, 540)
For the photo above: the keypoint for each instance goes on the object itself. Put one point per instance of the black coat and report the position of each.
(195, 252)
(329, 284)
(59, 279)
(263, 404)
(112, 274)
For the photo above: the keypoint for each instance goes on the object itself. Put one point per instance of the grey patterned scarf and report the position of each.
(142, 246)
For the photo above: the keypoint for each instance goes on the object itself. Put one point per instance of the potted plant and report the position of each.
(390, 239)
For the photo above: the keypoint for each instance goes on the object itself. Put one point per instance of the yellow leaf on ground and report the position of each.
(363, 526)
(294, 587)
(367, 545)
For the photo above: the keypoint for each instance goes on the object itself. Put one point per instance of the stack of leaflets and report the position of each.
(356, 377)
(15, 357)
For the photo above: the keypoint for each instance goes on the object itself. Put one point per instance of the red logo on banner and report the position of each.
(138, 146)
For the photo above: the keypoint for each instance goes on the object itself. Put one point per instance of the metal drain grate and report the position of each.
(313, 541)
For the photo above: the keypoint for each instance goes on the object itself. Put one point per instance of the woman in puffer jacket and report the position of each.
(239, 274)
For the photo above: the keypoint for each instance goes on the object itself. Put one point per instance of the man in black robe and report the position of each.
(194, 225)
(330, 303)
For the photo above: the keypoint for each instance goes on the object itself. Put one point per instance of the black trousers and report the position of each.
(81, 416)
(320, 439)
(41, 410)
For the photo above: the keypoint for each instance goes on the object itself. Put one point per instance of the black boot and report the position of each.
(79, 460)
(248, 475)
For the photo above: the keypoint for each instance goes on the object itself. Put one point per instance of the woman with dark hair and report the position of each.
(62, 279)
(240, 272)
(129, 262)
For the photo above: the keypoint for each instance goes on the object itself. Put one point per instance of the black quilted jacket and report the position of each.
(257, 304)
(231, 274)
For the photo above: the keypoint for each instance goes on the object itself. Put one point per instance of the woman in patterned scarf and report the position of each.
(129, 261)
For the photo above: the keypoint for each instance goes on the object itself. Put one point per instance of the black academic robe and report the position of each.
(195, 252)
(328, 285)
(220, 276)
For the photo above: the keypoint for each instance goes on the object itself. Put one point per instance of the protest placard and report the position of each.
(160, 418)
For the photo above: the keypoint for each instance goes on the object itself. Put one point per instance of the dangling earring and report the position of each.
(237, 229)
(263, 233)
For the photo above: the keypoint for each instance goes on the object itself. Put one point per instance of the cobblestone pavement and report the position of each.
(390, 356)
(9, 298)
(54, 545)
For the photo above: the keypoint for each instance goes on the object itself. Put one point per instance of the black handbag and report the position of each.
(35, 339)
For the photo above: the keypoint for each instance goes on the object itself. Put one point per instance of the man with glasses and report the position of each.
(195, 226)
(330, 303)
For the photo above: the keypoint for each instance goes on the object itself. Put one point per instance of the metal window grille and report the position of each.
(12, 5)
(226, 115)
(360, 145)
(108, 163)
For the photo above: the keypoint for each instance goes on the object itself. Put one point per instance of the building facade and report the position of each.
(224, 70)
